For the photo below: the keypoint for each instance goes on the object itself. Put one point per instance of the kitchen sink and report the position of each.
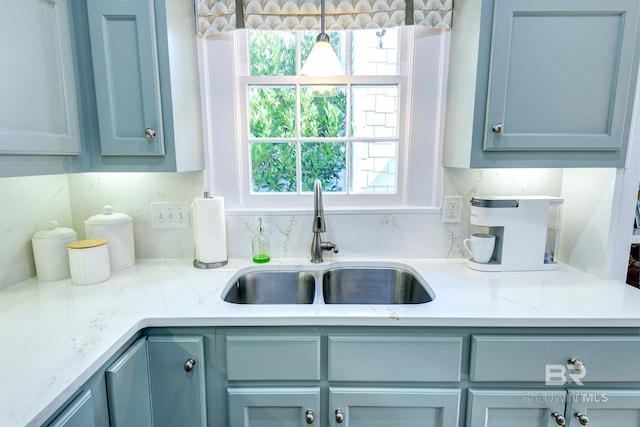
(336, 285)
(372, 286)
(272, 287)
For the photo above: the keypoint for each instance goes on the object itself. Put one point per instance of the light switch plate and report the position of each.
(169, 214)
(452, 209)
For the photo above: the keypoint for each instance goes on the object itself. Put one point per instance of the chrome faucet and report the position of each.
(318, 226)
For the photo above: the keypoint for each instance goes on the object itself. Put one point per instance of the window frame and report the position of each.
(419, 182)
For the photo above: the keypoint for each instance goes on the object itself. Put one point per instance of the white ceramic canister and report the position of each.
(50, 251)
(117, 228)
(89, 261)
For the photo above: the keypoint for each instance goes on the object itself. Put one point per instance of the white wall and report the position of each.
(71, 199)
(27, 205)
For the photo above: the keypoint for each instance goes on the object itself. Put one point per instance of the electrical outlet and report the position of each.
(169, 214)
(452, 209)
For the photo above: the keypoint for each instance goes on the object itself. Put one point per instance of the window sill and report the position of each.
(336, 211)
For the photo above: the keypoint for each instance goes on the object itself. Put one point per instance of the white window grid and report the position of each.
(359, 197)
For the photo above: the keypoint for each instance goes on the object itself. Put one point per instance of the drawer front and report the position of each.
(387, 358)
(273, 357)
(545, 359)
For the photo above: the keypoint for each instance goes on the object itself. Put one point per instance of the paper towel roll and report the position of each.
(209, 230)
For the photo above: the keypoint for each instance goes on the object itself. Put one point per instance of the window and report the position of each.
(362, 134)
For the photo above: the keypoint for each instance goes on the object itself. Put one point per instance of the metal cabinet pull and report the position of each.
(339, 416)
(189, 364)
(559, 418)
(497, 128)
(577, 364)
(582, 418)
(309, 416)
(150, 133)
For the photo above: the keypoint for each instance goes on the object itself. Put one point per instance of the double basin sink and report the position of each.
(335, 285)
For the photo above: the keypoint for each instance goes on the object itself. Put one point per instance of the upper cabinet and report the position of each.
(541, 83)
(145, 67)
(125, 66)
(39, 125)
(99, 85)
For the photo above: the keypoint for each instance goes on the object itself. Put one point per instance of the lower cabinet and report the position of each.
(128, 387)
(176, 377)
(540, 408)
(79, 414)
(355, 380)
(573, 380)
(354, 407)
(273, 406)
(397, 407)
(159, 381)
(619, 408)
(334, 376)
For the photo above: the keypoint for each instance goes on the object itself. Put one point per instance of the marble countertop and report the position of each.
(55, 335)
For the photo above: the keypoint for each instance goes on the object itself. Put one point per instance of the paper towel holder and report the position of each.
(207, 265)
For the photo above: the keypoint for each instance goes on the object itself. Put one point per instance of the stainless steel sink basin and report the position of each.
(372, 286)
(272, 287)
(337, 285)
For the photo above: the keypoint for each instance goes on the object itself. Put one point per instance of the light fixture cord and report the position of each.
(322, 16)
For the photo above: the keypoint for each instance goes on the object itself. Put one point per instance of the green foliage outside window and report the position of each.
(272, 114)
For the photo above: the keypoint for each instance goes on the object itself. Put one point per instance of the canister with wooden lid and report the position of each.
(89, 261)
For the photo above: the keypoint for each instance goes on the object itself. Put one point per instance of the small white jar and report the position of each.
(50, 252)
(89, 261)
(117, 228)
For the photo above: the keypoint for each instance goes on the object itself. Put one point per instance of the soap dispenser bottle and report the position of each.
(261, 246)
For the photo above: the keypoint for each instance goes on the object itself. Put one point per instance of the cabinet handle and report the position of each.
(559, 418)
(497, 128)
(577, 364)
(582, 418)
(339, 416)
(189, 364)
(150, 133)
(309, 416)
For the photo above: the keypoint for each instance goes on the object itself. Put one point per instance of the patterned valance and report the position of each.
(224, 15)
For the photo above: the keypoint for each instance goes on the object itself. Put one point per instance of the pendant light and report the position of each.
(322, 60)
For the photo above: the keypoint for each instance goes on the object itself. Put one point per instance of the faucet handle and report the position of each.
(329, 246)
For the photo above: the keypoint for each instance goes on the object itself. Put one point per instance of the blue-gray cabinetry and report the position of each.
(541, 83)
(78, 414)
(99, 86)
(128, 388)
(177, 381)
(331, 376)
(159, 381)
(125, 66)
(39, 122)
(145, 69)
(355, 379)
(542, 380)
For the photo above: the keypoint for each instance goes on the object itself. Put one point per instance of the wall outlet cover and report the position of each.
(452, 209)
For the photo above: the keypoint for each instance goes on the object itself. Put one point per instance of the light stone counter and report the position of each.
(56, 335)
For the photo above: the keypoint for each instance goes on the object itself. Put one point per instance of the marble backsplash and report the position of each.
(71, 199)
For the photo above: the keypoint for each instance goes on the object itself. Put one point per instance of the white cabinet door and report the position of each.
(38, 112)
